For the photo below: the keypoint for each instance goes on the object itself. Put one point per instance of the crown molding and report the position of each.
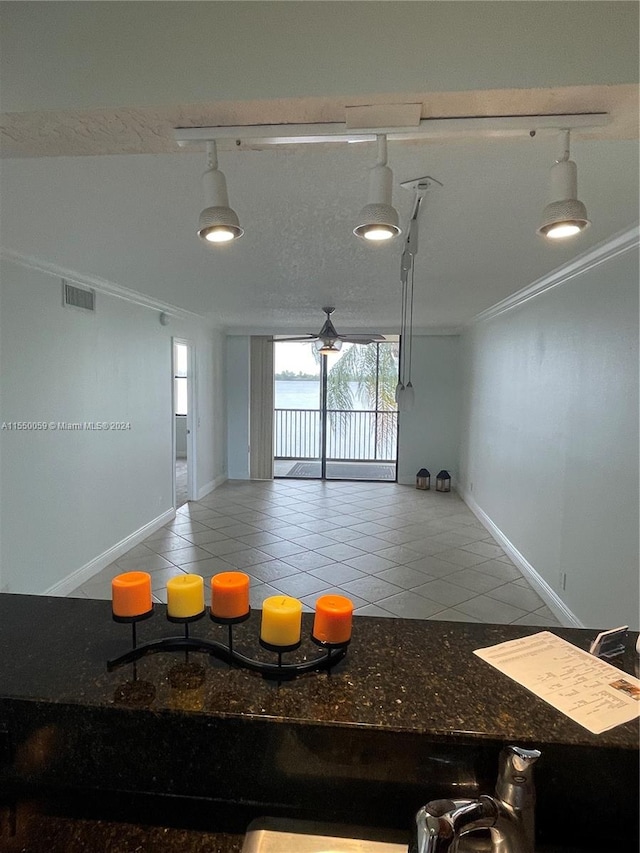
(103, 285)
(620, 243)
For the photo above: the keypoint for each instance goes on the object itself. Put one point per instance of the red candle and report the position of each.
(131, 594)
(230, 595)
(332, 622)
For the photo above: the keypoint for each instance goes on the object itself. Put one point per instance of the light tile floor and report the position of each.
(394, 550)
(181, 482)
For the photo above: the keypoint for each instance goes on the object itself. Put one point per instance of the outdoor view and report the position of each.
(352, 432)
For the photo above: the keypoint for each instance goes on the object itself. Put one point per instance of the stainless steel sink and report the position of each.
(277, 835)
(274, 835)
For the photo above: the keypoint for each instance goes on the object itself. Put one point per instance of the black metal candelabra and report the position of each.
(333, 652)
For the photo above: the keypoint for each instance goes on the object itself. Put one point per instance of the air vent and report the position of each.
(78, 297)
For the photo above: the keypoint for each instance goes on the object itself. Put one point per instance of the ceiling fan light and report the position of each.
(328, 347)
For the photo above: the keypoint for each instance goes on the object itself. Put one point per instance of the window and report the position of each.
(180, 379)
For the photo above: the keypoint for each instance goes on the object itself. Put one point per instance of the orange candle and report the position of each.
(332, 622)
(229, 595)
(131, 594)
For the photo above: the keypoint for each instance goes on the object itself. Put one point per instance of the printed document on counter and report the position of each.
(590, 691)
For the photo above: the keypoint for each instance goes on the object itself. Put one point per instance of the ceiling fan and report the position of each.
(328, 340)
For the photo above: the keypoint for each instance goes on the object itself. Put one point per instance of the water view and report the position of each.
(305, 394)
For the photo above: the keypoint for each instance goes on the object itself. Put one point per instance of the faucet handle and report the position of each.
(516, 760)
(515, 776)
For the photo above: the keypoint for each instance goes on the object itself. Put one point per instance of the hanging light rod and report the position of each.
(293, 134)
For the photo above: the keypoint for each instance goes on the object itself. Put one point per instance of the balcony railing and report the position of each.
(351, 435)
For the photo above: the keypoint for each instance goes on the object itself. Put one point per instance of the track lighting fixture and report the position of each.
(379, 219)
(218, 222)
(564, 216)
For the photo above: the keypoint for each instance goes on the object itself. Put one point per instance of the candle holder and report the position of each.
(230, 621)
(186, 621)
(280, 650)
(133, 621)
(329, 648)
(278, 671)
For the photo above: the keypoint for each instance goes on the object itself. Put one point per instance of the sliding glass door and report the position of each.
(335, 416)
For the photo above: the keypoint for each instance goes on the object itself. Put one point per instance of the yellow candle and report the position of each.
(281, 620)
(185, 596)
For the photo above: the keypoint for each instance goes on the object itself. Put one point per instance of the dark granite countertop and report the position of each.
(41, 834)
(406, 675)
(410, 714)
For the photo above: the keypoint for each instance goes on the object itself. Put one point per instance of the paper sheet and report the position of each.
(591, 692)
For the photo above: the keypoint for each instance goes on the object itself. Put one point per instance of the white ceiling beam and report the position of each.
(296, 134)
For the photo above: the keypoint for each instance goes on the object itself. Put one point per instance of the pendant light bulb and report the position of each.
(378, 220)
(565, 215)
(218, 222)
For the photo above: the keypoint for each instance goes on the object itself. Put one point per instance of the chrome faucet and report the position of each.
(442, 825)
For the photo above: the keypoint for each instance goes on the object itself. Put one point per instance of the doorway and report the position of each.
(183, 419)
(335, 417)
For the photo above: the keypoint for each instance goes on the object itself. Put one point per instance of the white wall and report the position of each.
(238, 393)
(68, 496)
(429, 434)
(549, 446)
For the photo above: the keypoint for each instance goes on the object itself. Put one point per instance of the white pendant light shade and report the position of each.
(218, 222)
(405, 397)
(565, 215)
(378, 220)
(409, 397)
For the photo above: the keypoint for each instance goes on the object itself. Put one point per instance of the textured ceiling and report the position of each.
(102, 189)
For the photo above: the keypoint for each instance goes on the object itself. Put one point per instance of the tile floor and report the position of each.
(394, 550)
(181, 482)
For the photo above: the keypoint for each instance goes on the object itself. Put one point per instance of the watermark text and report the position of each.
(64, 426)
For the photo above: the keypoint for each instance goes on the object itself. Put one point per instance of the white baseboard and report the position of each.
(86, 572)
(213, 484)
(548, 595)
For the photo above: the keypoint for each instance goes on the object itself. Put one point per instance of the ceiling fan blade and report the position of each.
(328, 334)
(362, 339)
(301, 338)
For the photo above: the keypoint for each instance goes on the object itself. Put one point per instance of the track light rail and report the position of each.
(295, 134)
